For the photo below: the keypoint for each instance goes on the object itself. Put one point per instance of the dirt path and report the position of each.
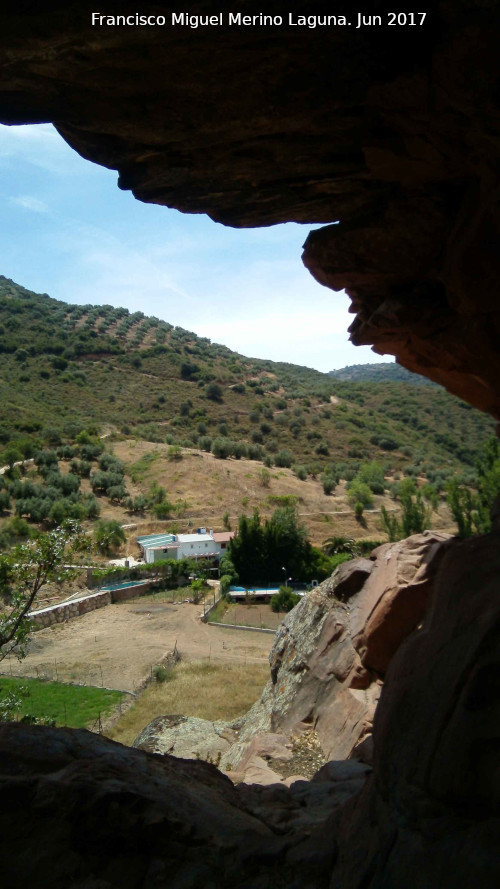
(118, 645)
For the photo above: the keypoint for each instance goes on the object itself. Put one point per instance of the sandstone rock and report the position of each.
(328, 654)
(432, 809)
(254, 756)
(186, 737)
(81, 811)
(394, 597)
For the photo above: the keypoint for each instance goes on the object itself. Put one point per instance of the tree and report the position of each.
(415, 517)
(488, 471)
(23, 572)
(332, 546)
(463, 505)
(284, 458)
(372, 474)
(329, 483)
(214, 392)
(261, 552)
(109, 535)
(12, 455)
(284, 600)
(359, 492)
(222, 448)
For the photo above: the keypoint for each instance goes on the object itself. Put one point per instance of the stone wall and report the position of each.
(58, 614)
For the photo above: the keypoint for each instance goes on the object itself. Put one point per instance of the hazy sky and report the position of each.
(67, 230)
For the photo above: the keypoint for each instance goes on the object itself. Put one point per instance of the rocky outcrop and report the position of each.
(187, 737)
(81, 811)
(327, 664)
(431, 809)
(330, 656)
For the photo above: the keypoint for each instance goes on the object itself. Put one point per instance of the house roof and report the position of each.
(195, 538)
(156, 541)
(223, 536)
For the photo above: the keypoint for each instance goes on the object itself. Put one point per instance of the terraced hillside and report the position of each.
(65, 367)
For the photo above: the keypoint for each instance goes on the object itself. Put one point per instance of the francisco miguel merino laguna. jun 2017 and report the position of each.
(237, 19)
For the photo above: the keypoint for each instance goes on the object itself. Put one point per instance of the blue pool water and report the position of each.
(123, 586)
(242, 589)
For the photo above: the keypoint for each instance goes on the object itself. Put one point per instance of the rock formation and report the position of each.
(328, 661)
(436, 781)
(394, 132)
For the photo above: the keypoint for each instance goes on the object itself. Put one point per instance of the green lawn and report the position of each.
(72, 705)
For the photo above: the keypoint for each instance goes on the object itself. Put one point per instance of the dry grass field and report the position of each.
(208, 691)
(205, 488)
(118, 646)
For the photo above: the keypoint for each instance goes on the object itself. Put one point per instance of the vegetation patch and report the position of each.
(54, 702)
(217, 614)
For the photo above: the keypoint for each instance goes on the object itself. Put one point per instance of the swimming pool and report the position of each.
(254, 590)
(124, 586)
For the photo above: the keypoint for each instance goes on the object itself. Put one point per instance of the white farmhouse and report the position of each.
(201, 545)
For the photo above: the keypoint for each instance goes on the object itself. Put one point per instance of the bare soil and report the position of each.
(203, 489)
(252, 616)
(117, 646)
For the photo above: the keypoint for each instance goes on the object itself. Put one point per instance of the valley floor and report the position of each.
(117, 646)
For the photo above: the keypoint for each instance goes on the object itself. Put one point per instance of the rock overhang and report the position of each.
(394, 132)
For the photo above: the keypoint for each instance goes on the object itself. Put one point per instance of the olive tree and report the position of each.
(24, 571)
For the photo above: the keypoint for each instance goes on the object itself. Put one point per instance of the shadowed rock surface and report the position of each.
(431, 810)
(86, 812)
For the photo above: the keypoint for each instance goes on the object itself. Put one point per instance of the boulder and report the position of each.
(186, 737)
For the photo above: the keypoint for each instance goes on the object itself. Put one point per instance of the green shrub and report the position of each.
(329, 483)
(359, 494)
(109, 535)
(284, 458)
(222, 448)
(213, 392)
(163, 674)
(284, 600)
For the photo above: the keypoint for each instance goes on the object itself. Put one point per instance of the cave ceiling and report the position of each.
(391, 133)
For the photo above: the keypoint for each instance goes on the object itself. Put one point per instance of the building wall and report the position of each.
(199, 548)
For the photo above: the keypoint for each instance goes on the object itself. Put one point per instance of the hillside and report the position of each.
(66, 366)
(382, 372)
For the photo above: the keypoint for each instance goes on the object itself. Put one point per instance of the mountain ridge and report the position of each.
(67, 366)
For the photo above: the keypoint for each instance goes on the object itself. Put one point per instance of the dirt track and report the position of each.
(125, 640)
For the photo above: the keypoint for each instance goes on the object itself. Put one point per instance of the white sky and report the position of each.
(67, 230)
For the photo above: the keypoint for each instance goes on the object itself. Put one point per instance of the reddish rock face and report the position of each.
(432, 808)
(394, 134)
